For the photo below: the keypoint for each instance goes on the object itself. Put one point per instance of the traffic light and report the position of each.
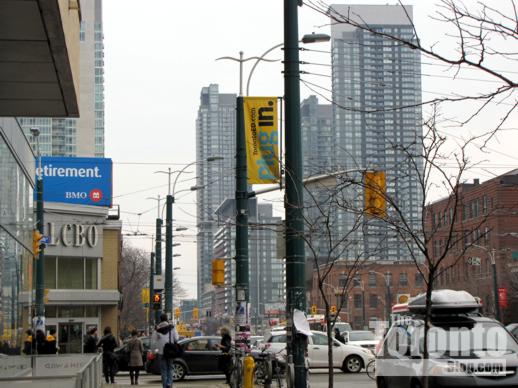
(313, 309)
(195, 314)
(332, 310)
(375, 193)
(36, 242)
(218, 272)
(177, 312)
(157, 300)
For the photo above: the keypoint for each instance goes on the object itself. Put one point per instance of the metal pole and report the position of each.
(151, 291)
(241, 73)
(158, 257)
(169, 255)
(241, 242)
(364, 318)
(40, 263)
(498, 314)
(388, 302)
(295, 263)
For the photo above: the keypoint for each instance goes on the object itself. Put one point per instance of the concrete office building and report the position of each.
(267, 271)
(215, 136)
(371, 73)
(83, 136)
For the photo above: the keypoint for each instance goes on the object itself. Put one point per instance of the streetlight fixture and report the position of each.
(169, 229)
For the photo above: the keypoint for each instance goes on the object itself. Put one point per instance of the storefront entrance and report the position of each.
(70, 337)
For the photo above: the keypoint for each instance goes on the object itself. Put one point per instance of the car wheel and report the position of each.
(178, 371)
(352, 364)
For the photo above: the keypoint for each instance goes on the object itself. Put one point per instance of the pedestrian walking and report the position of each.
(165, 333)
(27, 343)
(41, 342)
(108, 343)
(225, 358)
(135, 349)
(90, 345)
(339, 337)
(52, 344)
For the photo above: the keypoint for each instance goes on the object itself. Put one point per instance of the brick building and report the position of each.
(481, 224)
(369, 285)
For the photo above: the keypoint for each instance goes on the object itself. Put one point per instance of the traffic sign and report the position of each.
(474, 261)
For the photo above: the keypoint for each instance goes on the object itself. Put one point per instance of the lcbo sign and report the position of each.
(73, 235)
(85, 181)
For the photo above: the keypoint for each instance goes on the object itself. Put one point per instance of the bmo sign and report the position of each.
(84, 181)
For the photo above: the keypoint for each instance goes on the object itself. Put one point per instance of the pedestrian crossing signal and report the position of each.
(375, 193)
(36, 242)
(157, 300)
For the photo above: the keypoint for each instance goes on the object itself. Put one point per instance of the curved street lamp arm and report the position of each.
(259, 59)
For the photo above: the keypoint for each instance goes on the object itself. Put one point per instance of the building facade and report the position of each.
(81, 272)
(376, 88)
(16, 226)
(371, 290)
(83, 136)
(267, 272)
(215, 137)
(478, 227)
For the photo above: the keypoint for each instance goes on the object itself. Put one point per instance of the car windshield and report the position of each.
(343, 326)
(361, 336)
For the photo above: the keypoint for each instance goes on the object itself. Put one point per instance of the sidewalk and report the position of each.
(175, 385)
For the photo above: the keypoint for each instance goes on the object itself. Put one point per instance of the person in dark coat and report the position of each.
(108, 343)
(135, 349)
(52, 344)
(338, 336)
(27, 344)
(41, 342)
(225, 359)
(90, 345)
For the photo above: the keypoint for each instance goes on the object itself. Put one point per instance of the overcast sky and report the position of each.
(160, 53)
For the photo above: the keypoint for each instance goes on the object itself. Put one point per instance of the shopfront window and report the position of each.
(72, 273)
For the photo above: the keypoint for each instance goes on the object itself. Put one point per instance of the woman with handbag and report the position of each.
(165, 334)
(135, 349)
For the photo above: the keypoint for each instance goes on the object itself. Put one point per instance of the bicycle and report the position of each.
(371, 369)
(267, 369)
(236, 367)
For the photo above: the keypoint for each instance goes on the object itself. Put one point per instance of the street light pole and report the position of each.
(40, 264)
(491, 254)
(158, 247)
(295, 260)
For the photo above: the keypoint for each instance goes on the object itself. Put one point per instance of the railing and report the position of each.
(63, 371)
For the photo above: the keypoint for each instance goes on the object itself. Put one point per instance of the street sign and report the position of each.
(474, 261)
(44, 240)
(158, 281)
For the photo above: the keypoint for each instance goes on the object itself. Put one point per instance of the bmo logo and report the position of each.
(75, 195)
(96, 195)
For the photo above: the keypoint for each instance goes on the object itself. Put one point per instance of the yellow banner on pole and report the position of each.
(262, 139)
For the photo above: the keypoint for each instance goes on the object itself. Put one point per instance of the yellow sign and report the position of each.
(177, 312)
(403, 298)
(144, 295)
(262, 139)
(375, 193)
(314, 309)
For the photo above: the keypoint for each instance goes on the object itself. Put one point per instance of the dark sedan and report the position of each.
(200, 357)
(123, 354)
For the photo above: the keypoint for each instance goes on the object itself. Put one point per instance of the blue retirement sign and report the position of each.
(85, 181)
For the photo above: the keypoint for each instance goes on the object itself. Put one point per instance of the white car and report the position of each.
(349, 358)
(363, 338)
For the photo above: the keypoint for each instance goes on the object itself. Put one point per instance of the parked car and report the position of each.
(465, 349)
(200, 357)
(122, 354)
(513, 329)
(364, 338)
(349, 358)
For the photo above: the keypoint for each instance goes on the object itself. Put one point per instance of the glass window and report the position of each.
(50, 272)
(70, 311)
(373, 301)
(403, 279)
(51, 311)
(372, 279)
(70, 273)
(319, 339)
(90, 274)
(278, 339)
(198, 345)
(91, 311)
(357, 301)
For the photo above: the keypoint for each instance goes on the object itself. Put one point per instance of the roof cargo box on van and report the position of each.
(445, 301)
